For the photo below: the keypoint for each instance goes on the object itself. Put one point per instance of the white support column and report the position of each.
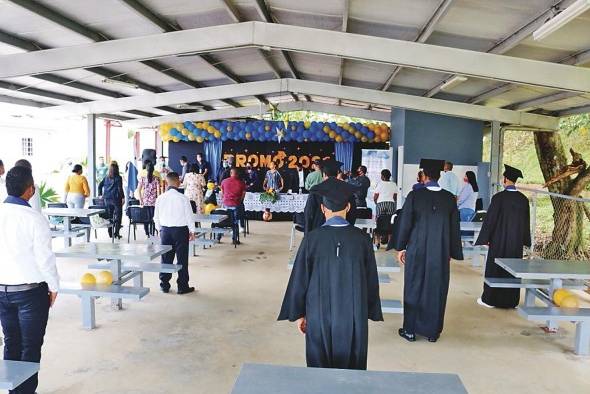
(91, 147)
(496, 157)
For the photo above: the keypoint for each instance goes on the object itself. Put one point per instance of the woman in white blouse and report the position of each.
(468, 197)
(385, 194)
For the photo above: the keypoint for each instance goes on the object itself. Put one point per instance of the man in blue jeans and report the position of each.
(173, 217)
(28, 276)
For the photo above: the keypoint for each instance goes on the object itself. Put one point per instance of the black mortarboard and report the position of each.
(331, 164)
(337, 196)
(432, 165)
(512, 173)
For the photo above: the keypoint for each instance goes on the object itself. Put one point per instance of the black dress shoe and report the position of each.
(186, 291)
(407, 336)
(164, 290)
(432, 339)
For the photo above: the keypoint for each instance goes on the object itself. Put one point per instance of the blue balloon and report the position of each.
(370, 134)
(306, 134)
(187, 124)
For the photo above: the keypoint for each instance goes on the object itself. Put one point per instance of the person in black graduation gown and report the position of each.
(506, 229)
(429, 236)
(334, 289)
(314, 217)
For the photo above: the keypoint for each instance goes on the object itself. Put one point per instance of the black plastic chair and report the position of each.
(232, 222)
(138, 215)
(364, 213)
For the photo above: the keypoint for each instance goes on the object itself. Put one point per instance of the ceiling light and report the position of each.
(188, 106)
(561, 19)
(451, 83)
(122, 83)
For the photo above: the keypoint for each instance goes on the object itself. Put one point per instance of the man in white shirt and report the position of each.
(28, 276)
(173, 217)
(35, 201)
(448, 180)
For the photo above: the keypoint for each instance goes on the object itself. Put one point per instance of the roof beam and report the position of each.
(388, 99)
(22, 101)
(575, 111)
(511, 41)
(72, 25)
(266, 16)
(539, 101)
(150, 15)
(345, 12)
(423, 35)
(230, 113)
(496, 91)
(303, 39)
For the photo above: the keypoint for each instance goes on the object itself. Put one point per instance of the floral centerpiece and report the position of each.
(269, 196)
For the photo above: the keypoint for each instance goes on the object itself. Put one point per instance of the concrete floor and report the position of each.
(196, 343)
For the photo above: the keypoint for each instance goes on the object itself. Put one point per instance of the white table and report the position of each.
(67, 214)
(286, 203)
(279, 379)
(116, 254)
(368, 224)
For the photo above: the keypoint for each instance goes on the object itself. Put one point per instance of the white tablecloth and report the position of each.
(285, 203)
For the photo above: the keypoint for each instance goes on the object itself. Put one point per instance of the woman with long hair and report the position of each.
(468, 197)
(76, 188)
(149, 190)
(111, 189)
(194, 186)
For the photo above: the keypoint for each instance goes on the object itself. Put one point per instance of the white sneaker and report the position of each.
(480, 302)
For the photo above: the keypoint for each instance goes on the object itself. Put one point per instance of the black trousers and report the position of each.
(115, 211)
(177, 237)
(24, 319)
(150, 228)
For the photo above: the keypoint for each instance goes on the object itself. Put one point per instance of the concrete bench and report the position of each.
(581, 317)
(392, 306)
(14, 373)
(73, 233)
(213, 231)
(477, 253)
(89, 293)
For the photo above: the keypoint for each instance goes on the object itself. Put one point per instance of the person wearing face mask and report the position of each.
(363, 183)
(468, 197)
(251, 178)
(224, 171)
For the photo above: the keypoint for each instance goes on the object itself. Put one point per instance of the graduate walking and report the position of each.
(429, 236)
(506, 229)
(314, 217)
(334, 288)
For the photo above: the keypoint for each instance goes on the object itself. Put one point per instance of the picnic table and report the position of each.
(279, 379)
(68, 214)
(368, 224)
(541, 278)
(209, 219)
(477, 253)
(125, 262)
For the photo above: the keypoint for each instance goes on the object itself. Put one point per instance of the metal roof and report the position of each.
(501, 27)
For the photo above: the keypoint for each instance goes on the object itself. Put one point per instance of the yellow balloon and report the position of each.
(307, 124)
(364, 139)
(217, 134)
(338, 138)
(199, 125)
(267, 128)
(377, 139)
(559, 295)
(358, 134)
(571, 301)
(211, 129)
(191, 137)
(208, 208)
(205, 125)
(88, 279)
(104, 278)
(199, 139)
(371, 126)
(176, 139)
(210, 185)
(332, 134)
(184, 131)
(326, 129)
(248, 136)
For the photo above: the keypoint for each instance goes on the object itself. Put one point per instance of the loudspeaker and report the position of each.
(148, 155)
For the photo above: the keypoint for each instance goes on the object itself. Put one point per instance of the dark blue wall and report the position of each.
(426, 135)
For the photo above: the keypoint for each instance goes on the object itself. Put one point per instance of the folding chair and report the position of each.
(138, 215)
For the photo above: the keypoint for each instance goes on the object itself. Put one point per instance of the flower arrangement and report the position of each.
(269, 196)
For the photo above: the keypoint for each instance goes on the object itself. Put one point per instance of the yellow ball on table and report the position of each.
(559, 295)
(104, 278)
(209, 208)
(571, 301)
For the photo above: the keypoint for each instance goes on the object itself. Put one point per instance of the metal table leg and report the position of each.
(116, 303)
(583, 338)
(554, 285)
(67, 230)
(88, 312)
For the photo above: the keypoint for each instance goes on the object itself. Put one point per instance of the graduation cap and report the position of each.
(512, 173)
(432, 165)
(331, 165)
(336, 197)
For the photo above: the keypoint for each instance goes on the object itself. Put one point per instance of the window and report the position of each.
(27, 146)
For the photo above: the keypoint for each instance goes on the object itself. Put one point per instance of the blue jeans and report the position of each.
(24, 319)
(466, 214)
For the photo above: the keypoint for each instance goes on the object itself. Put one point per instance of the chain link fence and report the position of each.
(560, 225)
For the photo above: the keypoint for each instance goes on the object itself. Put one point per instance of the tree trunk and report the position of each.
(567, 238)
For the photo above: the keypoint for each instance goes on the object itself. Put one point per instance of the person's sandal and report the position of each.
(407, 336)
